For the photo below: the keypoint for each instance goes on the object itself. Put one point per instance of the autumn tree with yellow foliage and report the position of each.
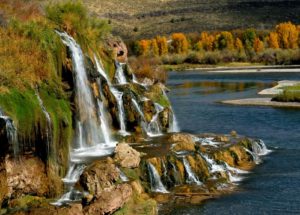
(288, 35)
(180, 43)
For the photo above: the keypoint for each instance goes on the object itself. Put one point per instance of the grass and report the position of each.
(289, 94)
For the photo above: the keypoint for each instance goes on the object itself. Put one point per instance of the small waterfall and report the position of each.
(49, 122)
(104, 123)
(192, 178)
(173, 123)
(119, 96)
(154, 127)
(123, 177)
(155, 181)
(254, 156)
(11, 133)
(100, 70)
(213, 166)
(260, 148)
(137, 107)
(73, 174)
(120, 77)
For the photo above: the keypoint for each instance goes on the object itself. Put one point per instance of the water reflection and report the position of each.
(212, 87)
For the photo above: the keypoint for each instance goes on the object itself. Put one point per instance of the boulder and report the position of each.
(110, 201)
(182, 142)
(126, 156)
(27, 175)
(99, 176)
(120, 52)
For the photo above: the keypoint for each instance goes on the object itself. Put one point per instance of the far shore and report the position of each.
(233, 68)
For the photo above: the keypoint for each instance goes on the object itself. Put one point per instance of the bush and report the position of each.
(174, 59)
(289, 94)
(145, 67)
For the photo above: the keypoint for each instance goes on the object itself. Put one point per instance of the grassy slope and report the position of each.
(154, 17)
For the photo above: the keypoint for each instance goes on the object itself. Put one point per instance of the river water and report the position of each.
(274, 186)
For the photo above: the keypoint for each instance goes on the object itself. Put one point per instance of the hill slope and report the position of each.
(151, 17)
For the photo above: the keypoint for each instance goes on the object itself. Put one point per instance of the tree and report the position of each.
(248, 38)
(162, 45)
(180, 43)
(206, 42)
(239, 45)
(154, 47)
(273, 40)
(258, 45)
(225, 40)
(287, 35)
(144, 47)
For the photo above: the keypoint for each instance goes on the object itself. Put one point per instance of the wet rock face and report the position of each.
(126, 156)
(99, 176)
(4, 146)
(110, 201)
(27, 175)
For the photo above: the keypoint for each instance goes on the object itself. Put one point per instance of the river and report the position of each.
(274, 186)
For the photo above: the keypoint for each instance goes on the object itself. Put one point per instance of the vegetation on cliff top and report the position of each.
(289, 94)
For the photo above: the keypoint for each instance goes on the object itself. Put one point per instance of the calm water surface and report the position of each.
(274, 186)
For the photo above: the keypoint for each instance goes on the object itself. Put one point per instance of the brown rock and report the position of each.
(110, 201)
(137, 187)
(3, 182)
(99, 176)
(26, 176)
(119, 48)
(182, 142)
(126, 156)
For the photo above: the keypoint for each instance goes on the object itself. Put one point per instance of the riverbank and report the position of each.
(278, 88)
(261, 102)
(232, 68)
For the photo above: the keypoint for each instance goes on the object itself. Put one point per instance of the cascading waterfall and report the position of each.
(11, 133)
(84, 97)
(192, 178)
(155, 181)
(100, 70)
(154, 127)
(92, 136)
(119, 96)
(120, 77)
(49, 123)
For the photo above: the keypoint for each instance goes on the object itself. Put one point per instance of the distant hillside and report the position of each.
(145, 18)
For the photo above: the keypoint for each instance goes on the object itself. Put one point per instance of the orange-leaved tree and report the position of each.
(273, 40)
(258, 45)
(143, 47)
(162, 45)
(206, 42)
(288, 35)
(180, 43)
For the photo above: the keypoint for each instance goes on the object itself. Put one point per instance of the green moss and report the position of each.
(60, 112)
(132, 174)
(289, 94)
(23, 108)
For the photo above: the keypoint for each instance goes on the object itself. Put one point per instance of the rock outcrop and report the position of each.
(126, 156)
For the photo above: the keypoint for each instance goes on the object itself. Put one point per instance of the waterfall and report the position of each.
(259, 148)
(154, 127)
(119, 96)
(92, 136)
(84, 97)
(49, 122)
(173, 123)
(120, 77)
(254, 156)
(11, 133)
(122, 175)
(155, 181)
(213, 166)
(192, 178)
(100, 70)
